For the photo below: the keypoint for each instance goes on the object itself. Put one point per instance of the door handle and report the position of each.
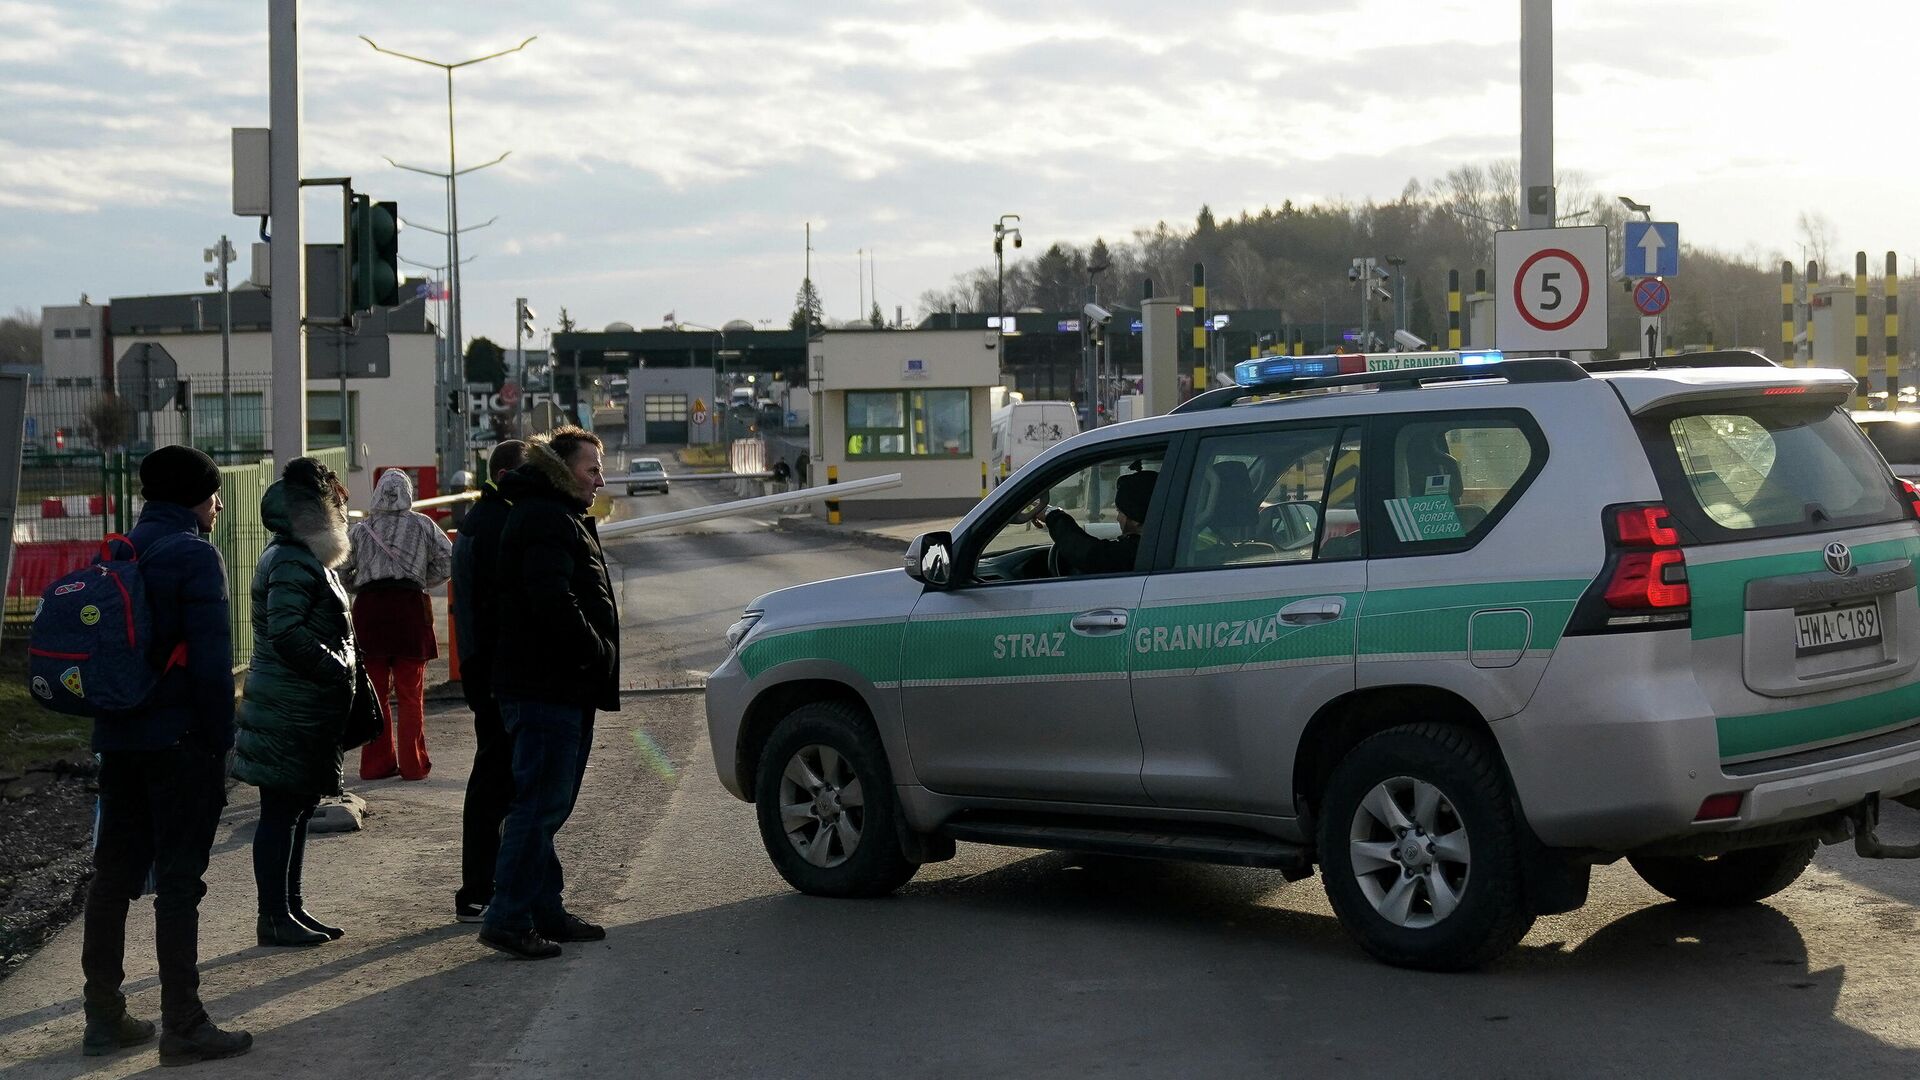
(1101, 621)
(1315, 609)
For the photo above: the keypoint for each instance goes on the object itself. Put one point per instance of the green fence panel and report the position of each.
(241, 537)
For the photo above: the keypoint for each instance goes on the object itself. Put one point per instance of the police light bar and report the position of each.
(1269, 371)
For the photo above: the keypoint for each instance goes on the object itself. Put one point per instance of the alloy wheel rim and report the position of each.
(822, 805)
(1409, 852)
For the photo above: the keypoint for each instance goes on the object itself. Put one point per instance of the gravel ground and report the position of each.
(45, 862)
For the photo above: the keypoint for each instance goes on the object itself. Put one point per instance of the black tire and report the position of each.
(1491, 914)
(1736, 878)
(876, 865)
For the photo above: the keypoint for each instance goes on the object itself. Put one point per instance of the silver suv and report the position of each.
(1454, 634)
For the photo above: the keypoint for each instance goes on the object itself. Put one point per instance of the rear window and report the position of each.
(1768, 470)
(646, 466)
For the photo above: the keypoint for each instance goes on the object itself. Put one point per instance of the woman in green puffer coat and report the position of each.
(299, 689)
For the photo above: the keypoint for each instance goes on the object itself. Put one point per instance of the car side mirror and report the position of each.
(929, 560)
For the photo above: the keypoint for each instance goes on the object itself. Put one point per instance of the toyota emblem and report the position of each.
(1839, 558)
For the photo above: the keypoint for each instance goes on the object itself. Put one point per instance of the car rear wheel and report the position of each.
(824, 798)
(1747, 876)
(1418, 850)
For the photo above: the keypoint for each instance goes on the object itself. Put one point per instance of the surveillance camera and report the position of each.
(1353, 273)
(1098, 314)
(1016, 239)
(1409, 341)
(1380, 273)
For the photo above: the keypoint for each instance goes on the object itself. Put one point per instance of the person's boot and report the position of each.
(106, 1034)
(283, 929)
(201, 1041)
(298, 910)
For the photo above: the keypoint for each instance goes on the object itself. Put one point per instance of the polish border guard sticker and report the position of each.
(70, 679)
(1424, 517)
(89, 615)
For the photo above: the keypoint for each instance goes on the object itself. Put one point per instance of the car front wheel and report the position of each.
(824, 798)
(1418, 850)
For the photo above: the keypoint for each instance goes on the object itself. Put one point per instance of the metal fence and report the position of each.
(73, 492)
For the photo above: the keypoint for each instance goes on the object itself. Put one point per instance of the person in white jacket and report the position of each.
(398, 554)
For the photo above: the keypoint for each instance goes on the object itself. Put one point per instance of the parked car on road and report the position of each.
(1449, 627)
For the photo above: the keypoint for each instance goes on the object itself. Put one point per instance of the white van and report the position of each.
(1023, 429)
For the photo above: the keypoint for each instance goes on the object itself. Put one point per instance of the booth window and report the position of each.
(909, 423)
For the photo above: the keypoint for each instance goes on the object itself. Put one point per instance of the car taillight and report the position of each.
(1913, 499)
(1644, 583)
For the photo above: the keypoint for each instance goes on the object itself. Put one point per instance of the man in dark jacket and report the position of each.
(556, 659)
(476, 554)
(1081, 553)
(162, 771)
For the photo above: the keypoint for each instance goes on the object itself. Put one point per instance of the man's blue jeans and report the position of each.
(550, 748)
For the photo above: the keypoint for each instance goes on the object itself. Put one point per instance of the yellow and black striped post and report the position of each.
(1453, 309)
(1299, 343)
(1813, 279)
(1893, 330)
(833, 505)
(1200, 325)
(1786, 314)
(1860, 373)
(983, 480)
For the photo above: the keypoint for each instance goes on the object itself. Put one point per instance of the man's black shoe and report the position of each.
(202, 1042)
(468, 913)
(571, 927)
(106, 1036)
(520, 944)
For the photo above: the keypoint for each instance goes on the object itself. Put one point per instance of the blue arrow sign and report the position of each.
(1653, 248)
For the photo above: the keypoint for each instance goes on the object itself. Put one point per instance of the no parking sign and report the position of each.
(1551, 289)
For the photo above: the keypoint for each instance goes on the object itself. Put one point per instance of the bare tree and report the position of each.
(1816, 231)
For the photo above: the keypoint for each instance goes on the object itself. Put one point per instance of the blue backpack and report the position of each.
(89, 652)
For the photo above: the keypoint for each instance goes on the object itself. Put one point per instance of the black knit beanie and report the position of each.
(178, 474)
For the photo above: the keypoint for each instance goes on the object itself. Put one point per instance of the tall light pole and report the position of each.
(455, 447)
(453, 197)
(224, 256)
(723, 421)
(1001, 230)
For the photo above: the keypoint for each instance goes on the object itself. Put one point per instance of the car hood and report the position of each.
(877, 595)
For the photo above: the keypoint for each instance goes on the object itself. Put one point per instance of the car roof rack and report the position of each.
(1534, 369)
(1714, 358)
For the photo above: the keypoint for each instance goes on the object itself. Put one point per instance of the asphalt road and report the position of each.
(997, 963)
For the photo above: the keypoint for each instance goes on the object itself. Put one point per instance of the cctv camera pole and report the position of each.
(1536, 112)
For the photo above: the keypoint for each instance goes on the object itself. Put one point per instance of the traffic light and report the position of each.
(373, 253)
(523, 317)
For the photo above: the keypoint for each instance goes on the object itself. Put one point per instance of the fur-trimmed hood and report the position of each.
(545, 471)
(298, 511)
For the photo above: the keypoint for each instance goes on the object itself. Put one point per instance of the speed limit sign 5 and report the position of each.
(1551, 290)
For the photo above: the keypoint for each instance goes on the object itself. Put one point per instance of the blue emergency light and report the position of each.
(1274, 371)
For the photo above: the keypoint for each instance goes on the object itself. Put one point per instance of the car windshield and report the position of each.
(646, 465)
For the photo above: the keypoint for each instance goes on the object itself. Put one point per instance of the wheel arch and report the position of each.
(1346, 721)
(771, 705)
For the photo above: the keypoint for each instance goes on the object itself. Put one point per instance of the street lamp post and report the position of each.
(455, 448)
(453, 196)
(722, 420)
(1001, 230)
(224, 256)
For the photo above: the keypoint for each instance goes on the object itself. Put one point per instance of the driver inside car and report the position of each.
(1077, 552)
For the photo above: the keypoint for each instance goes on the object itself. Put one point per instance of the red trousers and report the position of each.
(398, 677)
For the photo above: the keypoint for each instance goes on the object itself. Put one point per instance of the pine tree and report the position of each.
(878, 320)
(807, 309)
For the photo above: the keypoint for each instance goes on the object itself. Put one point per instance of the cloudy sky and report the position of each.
(666, 154)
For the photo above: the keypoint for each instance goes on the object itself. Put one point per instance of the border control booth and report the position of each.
(915, 402)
